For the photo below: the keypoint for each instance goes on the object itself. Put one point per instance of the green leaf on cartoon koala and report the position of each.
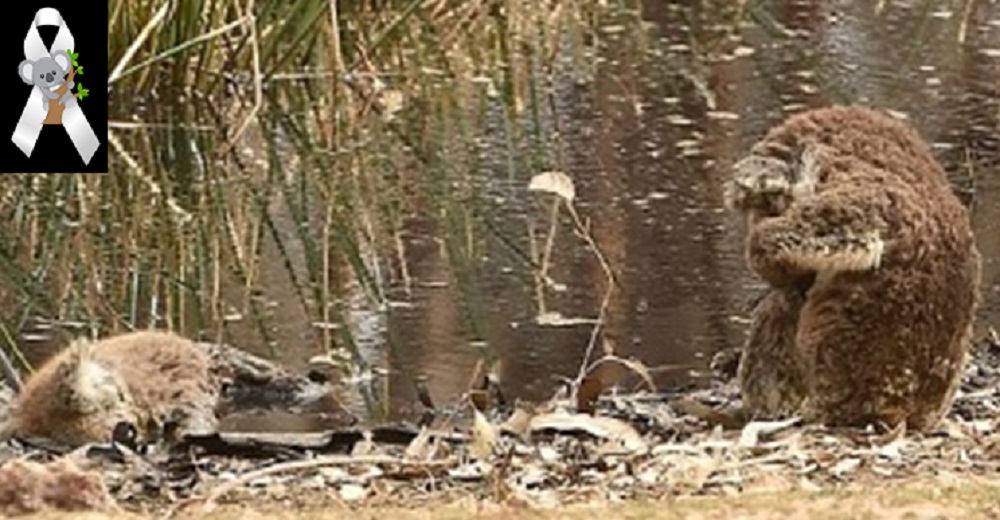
(79, 70)
(82, 91)
(73, 56)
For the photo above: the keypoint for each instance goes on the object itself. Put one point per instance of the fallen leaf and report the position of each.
(518, 422)
(587, 392)
(727, 418)
(470, 472)
(601, 427)
(752, 432)
(557, 183)
(604, 373)
(484, 437)
(845, 466)
(421, 448)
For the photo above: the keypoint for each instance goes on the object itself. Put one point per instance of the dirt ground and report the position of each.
(940, 497)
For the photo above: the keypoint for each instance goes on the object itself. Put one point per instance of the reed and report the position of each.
(266, 164)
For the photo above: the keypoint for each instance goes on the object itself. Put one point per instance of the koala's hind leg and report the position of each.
(772, 372)
(834, 231)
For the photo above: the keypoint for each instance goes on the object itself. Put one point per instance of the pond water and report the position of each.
(645, 120)
(647, 144)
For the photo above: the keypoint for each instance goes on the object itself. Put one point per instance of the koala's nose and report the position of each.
(49, 77)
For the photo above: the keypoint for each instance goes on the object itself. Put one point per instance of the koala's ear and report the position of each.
(62, 59)
(26, 70)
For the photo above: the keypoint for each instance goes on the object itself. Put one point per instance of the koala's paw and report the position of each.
(70, 85)
(68, 99)
(833, 253)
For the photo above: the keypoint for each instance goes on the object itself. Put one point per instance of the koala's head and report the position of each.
(762, 186)
(47, 71)
(93, 388)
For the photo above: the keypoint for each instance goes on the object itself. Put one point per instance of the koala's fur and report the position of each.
(873, 268)
(48, 73)
(144, 378)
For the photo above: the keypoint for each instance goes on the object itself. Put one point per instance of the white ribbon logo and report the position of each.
(35, 109)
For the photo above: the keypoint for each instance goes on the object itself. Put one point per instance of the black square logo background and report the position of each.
(54, 152)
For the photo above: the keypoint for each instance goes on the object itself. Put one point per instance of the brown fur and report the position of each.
(145, 378)
(772, 372)
(874, 268)
(30, 487)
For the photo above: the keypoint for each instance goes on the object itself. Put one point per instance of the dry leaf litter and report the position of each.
(638, 445)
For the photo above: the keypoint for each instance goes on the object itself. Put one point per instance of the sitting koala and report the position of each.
(873, 268)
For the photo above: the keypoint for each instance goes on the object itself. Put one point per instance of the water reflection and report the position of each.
(647, 143)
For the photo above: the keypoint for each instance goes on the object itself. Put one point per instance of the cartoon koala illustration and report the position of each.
(48, 73)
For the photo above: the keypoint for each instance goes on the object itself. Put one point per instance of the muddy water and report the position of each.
(647, 142)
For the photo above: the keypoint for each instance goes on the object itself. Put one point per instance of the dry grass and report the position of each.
(927, 498)
(296, 139)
